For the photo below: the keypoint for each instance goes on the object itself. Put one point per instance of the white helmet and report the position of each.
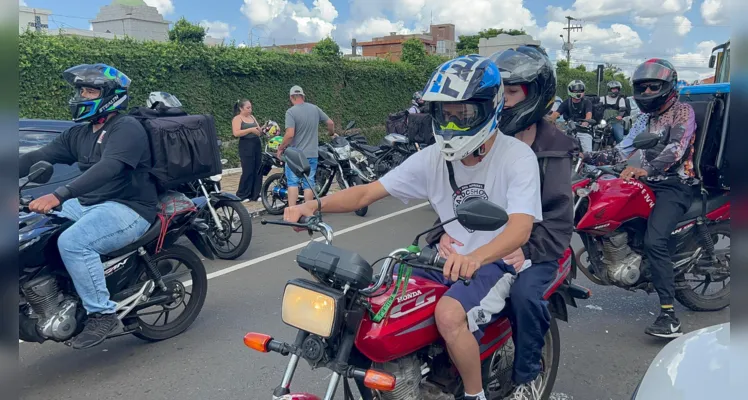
(466, 97)
(168, 100)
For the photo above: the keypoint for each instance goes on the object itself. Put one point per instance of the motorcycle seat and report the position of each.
(371, 149)
(713, 202)
(150, 235)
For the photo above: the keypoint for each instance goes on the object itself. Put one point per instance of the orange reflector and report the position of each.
(378, 380)
(257, 341)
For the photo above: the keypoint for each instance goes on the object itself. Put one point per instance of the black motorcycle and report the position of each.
(348, 169)
(229, 222)
(274, 190)
(394, 149)
(144, 278)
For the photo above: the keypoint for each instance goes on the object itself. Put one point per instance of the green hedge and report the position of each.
(211, 79)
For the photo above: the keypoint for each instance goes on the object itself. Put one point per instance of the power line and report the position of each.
(568, 46)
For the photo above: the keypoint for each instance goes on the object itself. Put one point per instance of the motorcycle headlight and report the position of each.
(311, 307)
(216, 178)
(583, 192)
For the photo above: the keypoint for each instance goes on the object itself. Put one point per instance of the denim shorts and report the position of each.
(293, 180)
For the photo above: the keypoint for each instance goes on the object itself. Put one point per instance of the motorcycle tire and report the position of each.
(361, 212)
(198, 291)
(266, 190)
(245, 223)
(702, 302)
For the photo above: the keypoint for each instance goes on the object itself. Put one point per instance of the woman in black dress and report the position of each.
(245, 127)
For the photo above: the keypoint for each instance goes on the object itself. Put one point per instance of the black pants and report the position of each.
(250, 154)
(672, 200)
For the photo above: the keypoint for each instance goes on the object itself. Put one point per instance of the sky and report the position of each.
(622, 32)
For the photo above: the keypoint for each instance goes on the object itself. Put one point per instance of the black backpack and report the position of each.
(184, 147)
(397, 122)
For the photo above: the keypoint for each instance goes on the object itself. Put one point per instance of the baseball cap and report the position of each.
(297, 90)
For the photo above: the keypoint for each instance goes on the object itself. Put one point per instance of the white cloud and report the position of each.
(597, 9)
(645, 22)
(682, 25)
(378, 26)
(714, 12)
(22, 3)
(217, 29)
(285, 21)
(260, 12)
(618, 37)
(163, 6)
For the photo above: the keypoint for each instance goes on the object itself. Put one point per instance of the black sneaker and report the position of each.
(665, 326)
(98, 327)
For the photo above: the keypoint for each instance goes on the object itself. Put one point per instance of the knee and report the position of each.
(450, 318)
(67, 242)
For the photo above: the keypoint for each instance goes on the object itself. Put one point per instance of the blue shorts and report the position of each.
(486, 296)
(293, 180)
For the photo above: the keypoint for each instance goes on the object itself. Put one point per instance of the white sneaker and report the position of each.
(246, 201)
(529, 391)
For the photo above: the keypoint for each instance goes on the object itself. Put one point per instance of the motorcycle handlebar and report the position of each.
(312, 224)
(429, 259)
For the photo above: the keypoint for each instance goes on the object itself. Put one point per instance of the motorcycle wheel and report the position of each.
(171, 259)
(699, 300)
(272, 203)
(236, 217)
(361, 211)
(580, 256)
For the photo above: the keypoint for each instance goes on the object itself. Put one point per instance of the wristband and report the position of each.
(63, 193)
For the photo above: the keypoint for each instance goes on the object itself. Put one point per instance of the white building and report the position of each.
(34, 19)
(487, 47)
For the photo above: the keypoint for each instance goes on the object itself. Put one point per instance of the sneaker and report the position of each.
(98, 327)
(529, 391)
(665, 326)
(246, 201)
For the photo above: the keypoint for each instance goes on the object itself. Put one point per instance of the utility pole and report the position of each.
(568, 46)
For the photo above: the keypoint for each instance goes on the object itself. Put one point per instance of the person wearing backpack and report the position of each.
(530, 90)
(113, 202)
(616, 105)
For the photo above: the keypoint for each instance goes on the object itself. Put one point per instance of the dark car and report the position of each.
(34, 134)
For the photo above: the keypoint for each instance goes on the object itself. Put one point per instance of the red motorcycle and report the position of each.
(380, 330)
(610, 215)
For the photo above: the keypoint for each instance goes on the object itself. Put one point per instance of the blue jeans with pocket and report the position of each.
(294, 181)
(98, 229)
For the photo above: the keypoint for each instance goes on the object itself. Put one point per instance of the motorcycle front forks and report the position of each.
(212, 210)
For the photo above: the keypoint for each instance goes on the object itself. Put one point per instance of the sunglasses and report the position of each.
(654, 86)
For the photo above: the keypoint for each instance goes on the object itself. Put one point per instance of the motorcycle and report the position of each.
(225, 214)
(140, 276)
(394, 149)
(385, 338)
(610, 216)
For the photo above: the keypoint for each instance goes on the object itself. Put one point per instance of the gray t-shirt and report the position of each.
(305, 119)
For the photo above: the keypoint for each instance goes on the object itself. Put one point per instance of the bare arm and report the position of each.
(350, 199)
(236, 124)
(516, 234)
(287, 139)
(331, 127)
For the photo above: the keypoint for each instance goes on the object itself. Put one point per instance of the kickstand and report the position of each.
(347, 390)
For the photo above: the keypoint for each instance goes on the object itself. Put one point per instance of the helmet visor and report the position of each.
(652, 71)
(164, 98)
(464, 118)
(516, 67)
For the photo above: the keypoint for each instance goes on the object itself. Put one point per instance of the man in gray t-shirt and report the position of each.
(302, 133)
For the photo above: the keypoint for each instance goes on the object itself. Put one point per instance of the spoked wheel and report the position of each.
(708, 288)
(234, 240)
(274, 192)
(187, 283)
(497, 369)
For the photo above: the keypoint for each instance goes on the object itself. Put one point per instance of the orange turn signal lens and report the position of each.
(257, 341)
(378, 380)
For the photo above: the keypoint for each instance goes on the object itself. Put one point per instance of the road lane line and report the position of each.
(266, 257)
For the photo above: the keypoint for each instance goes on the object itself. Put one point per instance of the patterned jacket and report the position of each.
(676, 128)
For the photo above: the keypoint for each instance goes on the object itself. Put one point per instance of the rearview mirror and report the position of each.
(350, 125)
(41, 172)
(712, 60)
(481, 215)
(646, 141)
(297, 162)
(603, 123)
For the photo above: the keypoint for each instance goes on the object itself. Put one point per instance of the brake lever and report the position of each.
(466, 281)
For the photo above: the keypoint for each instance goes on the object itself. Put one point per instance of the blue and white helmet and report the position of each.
(465, 98)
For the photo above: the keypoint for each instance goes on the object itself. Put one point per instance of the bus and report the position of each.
(720, 61)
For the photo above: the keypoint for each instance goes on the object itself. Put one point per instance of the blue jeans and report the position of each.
(99, 229)
(293, 180)
(617, 132)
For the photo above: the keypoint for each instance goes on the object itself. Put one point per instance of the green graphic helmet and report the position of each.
(274, 142)
(112, 83)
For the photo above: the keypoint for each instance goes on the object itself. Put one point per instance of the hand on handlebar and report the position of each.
(44, 204)
(458, 265)
(633, 173)
(296, 213)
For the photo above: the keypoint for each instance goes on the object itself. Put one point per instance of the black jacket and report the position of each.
(551, 237)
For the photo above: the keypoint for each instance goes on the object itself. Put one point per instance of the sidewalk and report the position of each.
(230, 183)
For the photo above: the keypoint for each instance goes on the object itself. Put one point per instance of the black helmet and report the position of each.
(112, 83)
(418, 98)
(614, 85)
(530, 67)
(575, 89)
(661, 76)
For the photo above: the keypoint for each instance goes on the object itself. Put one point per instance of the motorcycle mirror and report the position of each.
(297, 162)
(646, 141)
(41, 172)
(350, 125)
(481, 215)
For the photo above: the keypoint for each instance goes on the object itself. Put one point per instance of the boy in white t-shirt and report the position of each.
(466, 97)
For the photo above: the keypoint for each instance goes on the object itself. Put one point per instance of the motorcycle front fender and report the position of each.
(199, 238)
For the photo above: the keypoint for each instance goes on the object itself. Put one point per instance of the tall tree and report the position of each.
(468, 44)
(326, 48)
(413, 52)
(186, 32)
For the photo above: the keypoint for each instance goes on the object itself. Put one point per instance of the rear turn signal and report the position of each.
(257, 341)
(378, 380)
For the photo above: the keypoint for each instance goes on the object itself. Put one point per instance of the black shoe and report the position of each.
(665, 326)
(98, 327)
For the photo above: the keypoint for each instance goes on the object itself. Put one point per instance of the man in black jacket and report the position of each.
(530, 88)
(113, 202)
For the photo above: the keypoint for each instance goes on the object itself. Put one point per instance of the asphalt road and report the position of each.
(604, 351)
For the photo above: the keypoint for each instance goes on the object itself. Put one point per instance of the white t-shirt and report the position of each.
(507, 176)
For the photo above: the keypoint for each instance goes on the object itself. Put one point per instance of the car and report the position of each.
(693, 366)
(34, 134)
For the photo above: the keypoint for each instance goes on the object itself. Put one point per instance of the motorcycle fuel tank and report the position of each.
(393, 138)
(614, 202)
